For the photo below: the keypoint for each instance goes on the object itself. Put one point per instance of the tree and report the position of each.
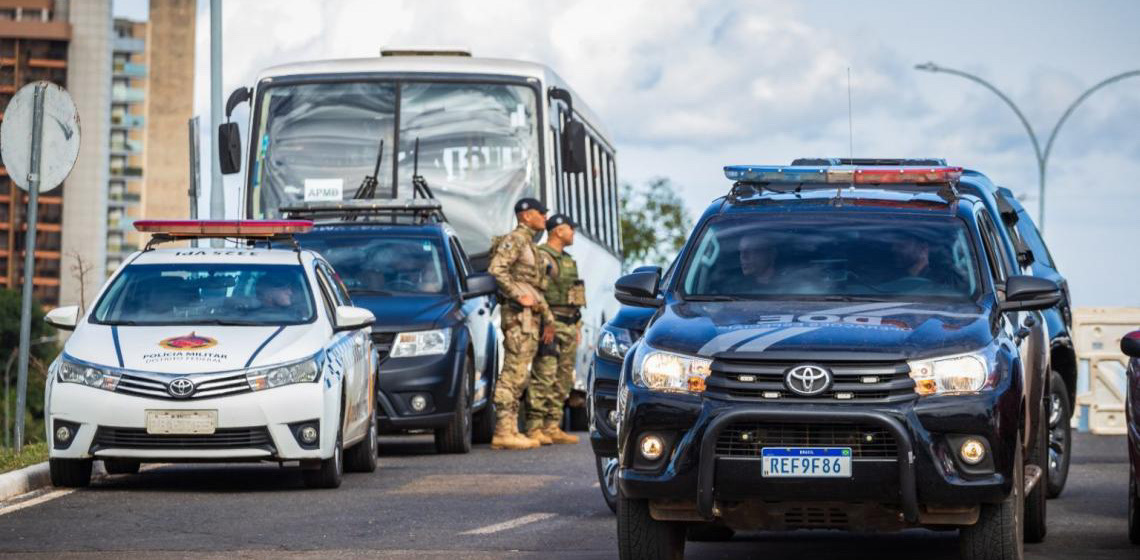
(42, 354)
(654, 223)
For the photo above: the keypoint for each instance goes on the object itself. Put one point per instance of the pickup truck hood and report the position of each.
(406, 312)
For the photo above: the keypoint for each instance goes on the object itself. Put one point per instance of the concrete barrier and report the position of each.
(1101, 380)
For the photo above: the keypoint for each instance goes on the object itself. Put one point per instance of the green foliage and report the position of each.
(654, 223)
(42, 355)
(29, 455)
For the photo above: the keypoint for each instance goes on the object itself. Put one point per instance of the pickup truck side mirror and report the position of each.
(1030, 293)
(481, 284)
(63, 318)
(1130, 344)
(639, 289)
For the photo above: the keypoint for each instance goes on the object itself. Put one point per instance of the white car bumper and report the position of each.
(244, 421)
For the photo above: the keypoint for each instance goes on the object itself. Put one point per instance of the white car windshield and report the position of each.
(207, 294)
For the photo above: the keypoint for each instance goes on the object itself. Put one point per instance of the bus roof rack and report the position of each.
(415, 210)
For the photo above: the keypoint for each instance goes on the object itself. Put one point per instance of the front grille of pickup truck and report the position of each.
(222, 438)
(382, 342)
(746, 439)
(852, 381)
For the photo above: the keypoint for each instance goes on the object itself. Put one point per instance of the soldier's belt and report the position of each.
(567, 317)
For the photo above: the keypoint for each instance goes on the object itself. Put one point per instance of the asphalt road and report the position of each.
(535, 504)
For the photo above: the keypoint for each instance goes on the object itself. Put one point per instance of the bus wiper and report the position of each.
(419, 184)
(367, 189)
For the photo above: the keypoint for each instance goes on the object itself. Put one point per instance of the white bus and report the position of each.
(482, 133)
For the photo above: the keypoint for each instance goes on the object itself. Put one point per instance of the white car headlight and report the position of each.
(614, 343)
(421, 343)
(71, 371)
(665, 371)
(952, 375)
(304, 371)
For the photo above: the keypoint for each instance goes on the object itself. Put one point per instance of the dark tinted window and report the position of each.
(1032, 237)
(370, 265)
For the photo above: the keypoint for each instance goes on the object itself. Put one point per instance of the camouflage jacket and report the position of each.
(515, 264)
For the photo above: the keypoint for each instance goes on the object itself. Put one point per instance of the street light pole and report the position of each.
(1042, 155)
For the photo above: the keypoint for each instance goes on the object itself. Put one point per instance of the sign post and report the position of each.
(49, 154)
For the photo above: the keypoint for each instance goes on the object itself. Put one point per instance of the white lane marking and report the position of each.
(498, 527)
(36, 501)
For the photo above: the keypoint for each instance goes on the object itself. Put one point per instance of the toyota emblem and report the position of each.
(180, 388)
(808, 380)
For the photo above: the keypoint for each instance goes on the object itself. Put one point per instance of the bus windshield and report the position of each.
(478, 147)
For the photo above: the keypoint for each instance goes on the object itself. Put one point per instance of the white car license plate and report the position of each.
(182, 422)
(806, 462)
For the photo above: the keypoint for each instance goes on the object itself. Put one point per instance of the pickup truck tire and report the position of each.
(456, 436)
(483, 422)
(607, 479)
(121, 466)
(998, 533)
(1036, 501)
(1060, 435)
(70, 473)
(640, 537)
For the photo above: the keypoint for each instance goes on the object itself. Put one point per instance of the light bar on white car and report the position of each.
(223, 228)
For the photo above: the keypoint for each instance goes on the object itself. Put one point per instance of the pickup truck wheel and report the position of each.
(456, 436)
(121, 466)
(1060, 435)
(331, 471)
(70, 473)
(1133, 515)
(483, 422)
(607, 479)
(640, 537)
(362, 456)
(998, 533)
(1037, 500)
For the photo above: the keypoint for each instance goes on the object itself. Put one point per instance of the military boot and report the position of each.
(556, 435)
(507, 437)
(538, 435)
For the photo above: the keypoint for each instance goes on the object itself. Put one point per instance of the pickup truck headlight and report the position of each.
(421, 343)
(665, 371)
(953, 375)
(614, 343)
(304, 371)
(71, 371)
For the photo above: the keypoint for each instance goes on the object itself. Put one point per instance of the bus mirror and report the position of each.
(573, 147)
(229, 148)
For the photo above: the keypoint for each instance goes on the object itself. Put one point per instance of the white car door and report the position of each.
(356, 374)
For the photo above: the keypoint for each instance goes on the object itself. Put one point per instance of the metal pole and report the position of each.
(195, 171)
(217, 187)
(29, 263)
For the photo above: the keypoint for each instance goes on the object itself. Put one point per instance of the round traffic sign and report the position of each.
(59, 145)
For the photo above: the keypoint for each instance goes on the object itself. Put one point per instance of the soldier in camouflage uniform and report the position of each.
(515, 265)
(552, 376)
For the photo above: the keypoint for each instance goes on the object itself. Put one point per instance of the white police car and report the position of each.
(203, 354)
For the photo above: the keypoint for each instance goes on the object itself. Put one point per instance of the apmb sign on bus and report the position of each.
(39, 141)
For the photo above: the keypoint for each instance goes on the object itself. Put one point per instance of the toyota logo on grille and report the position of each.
(180, 388)
(807, 380)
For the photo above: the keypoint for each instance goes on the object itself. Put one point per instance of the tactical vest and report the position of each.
(563, 288)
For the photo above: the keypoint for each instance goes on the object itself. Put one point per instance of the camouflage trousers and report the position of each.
(520, 343)
(552, 377)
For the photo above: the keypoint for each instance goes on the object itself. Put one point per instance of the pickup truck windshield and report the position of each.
(383, 266)
(830, 257)
(207, 294)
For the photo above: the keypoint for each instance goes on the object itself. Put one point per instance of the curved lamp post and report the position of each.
(1042, 155)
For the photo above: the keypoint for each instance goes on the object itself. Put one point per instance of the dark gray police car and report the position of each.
(434, 329)
(836, 347)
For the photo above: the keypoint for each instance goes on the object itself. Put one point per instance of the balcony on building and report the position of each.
(122, 199)
(128, 45)
(126, 173)
(126, 148)
(127, 95)
(129, 70)
(126, 121)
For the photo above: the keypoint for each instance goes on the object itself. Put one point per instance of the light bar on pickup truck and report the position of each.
(843, 174)
(223, 228)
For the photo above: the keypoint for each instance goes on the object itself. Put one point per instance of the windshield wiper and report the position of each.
(366, 292)
(367, 189)
(844, 298)
(710, 297)
(229, 323)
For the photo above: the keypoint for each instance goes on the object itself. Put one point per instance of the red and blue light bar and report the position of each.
(223, 228)
(842, 174)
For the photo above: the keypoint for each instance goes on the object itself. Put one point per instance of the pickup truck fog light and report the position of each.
(973, 451)
(309, 435)
(418, 402)
(652, 447)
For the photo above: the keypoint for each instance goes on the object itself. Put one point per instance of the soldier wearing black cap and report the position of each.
(552, 376)
(515, 264)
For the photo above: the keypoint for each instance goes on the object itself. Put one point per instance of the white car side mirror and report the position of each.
(350, 318)
(64, 318)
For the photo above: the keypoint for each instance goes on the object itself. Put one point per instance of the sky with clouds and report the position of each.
(687, 86)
